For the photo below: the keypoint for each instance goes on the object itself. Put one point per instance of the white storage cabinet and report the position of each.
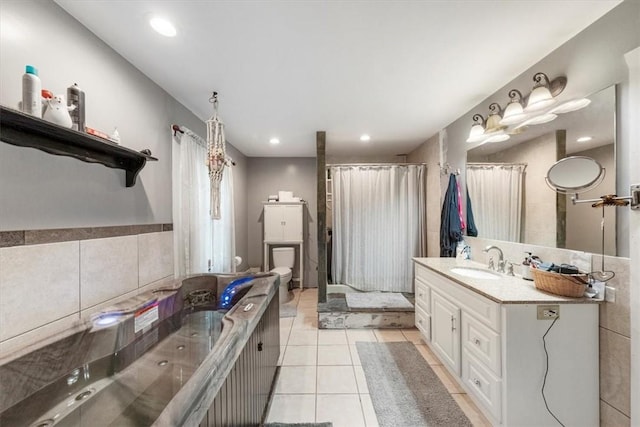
(283, 225)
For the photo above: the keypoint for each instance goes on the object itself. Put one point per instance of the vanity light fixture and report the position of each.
(569, 106)
(498, 137)
(538, 120)
(514, 112)
(540, 96)
(476, 134)
(493, 121)
(365, 138)
(584, 139)
(163, 26)
(274, 141)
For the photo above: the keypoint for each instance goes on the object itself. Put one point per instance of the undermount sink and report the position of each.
(475, 273)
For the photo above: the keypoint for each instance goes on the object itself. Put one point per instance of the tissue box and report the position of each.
(285, 196)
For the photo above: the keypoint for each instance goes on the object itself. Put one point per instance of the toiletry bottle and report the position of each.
(31, 92)
(75, 96)
(526, 267)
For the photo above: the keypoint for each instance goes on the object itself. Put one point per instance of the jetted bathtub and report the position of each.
(169, 358)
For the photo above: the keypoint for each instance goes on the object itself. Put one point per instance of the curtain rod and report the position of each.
(374, 164)
(198, 138)
(496, 164)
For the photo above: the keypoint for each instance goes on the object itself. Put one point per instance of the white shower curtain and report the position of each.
(496, 193)
(200, 243)
(378, 225)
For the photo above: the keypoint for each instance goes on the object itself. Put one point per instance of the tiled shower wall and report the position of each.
(429, 153)
(615, 341)
(48, 288)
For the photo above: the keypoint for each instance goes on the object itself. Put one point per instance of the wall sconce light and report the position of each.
(476, 134)
(493, 121)
(498, 137)
(569, 106)
(497, 127)
(539, 119)
(514, 112)
(540, 96)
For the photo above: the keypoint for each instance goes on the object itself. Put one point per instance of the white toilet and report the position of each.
(283, 259)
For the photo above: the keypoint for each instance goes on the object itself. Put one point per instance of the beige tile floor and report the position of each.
(321, 377)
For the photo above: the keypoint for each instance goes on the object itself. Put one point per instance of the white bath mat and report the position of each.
(377, 300)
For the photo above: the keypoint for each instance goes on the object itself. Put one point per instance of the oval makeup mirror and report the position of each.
(575, 174)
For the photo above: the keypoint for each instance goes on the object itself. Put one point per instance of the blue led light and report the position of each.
(231, 290)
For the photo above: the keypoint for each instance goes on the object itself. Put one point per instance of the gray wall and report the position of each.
(267, 175)
(429, 153)
(592, 61)
(42, 191)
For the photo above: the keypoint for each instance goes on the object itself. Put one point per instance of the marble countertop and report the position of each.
(505, 290)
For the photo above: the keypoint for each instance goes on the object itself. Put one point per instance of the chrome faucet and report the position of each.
(500, 268)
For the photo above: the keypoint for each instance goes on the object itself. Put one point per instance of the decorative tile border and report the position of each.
(37, 237)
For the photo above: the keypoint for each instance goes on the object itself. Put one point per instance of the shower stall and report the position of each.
(376, 219)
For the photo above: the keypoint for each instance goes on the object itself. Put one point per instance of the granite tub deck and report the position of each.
(131, 374)
(506, 290)
(336, 314)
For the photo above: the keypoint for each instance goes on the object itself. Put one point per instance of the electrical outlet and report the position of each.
(548, 312)
(610, 294)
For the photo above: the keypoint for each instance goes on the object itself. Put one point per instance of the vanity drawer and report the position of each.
(422, 272)
(423, 322)
(423, 295)
(482, 384)
(482, 342)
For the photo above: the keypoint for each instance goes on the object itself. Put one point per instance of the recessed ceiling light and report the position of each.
(584, 139)
(163, 27)
(274, 141)
(365, 138)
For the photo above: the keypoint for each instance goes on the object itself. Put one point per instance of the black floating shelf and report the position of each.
(20, 129)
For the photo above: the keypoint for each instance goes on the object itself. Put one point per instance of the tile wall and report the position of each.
(615, 341)
(47, 288)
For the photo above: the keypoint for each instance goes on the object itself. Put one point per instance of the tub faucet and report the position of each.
(500, 267)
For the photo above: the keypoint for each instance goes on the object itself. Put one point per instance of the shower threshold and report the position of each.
(336, 314)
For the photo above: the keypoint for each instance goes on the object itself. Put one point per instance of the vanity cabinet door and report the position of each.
(445, 331)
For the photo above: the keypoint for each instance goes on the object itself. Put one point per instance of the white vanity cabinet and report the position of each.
(487, 334)
(445, 334)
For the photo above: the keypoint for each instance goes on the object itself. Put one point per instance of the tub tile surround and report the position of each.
(37, 237)
(155, 252)
(38, 285)
(615, 341)
(45, 289)
(108, 268)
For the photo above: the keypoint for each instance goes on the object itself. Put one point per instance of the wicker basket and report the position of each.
(567, 285)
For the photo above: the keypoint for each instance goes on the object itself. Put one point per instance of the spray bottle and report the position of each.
(31, 92)
(75, 96)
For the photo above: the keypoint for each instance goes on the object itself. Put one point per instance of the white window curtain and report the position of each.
(378, 225)
(496, 194)
(201, 244)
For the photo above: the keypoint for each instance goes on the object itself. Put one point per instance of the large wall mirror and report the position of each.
(510, 198)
